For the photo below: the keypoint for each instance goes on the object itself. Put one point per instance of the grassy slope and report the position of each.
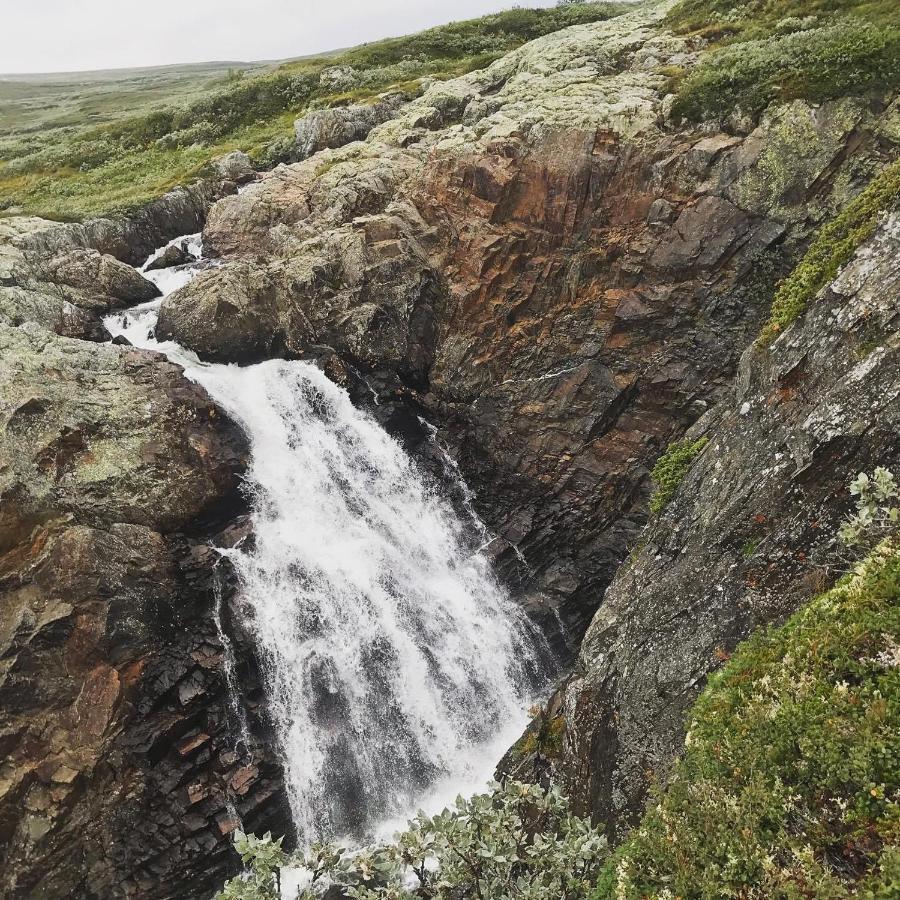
(766, 50)
(790, 782)
(94, 169)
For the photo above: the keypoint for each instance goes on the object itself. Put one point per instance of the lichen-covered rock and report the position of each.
(106, 434)
(747, 537)
(335, 126)
(235, 166)
(119, 775)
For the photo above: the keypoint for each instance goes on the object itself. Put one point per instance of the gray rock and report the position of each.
(339, 125)
(748, 536)
(235, 166)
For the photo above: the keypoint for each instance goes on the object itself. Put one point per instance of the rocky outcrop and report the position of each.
(67, 292)
(120, 775)
(551, 272)
(747, 538)
(334, 126)
(133, 238)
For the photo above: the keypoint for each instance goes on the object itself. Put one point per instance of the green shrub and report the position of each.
(790, 782)
(848, 57)
(832, 247)
(518, 841)
(671, 468)
(766, 50)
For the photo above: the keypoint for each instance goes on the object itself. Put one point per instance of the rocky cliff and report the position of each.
(536, 259)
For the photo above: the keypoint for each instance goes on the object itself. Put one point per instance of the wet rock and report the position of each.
(173, 255)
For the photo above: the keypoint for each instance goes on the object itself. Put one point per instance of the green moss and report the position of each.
(832, 247)
(671, 468)
(544, 736)
(790, 782)
(766, 50)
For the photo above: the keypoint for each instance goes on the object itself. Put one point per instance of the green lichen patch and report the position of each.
(832, 248)
(790, 782)
(671, 468)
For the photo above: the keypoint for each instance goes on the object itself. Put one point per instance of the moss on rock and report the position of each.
(790, 782)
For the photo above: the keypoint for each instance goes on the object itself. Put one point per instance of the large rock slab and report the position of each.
(748, 536)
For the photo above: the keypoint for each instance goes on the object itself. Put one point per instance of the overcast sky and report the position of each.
(65, 35)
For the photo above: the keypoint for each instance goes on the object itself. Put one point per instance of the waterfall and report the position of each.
(393, 661)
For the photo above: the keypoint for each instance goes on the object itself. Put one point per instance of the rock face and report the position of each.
(118, 761)
(333, 127)
(536, 260)
(132, 239)
(559, 279)
(66, 292)
(747, 537)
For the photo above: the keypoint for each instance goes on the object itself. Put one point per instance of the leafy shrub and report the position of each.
(518, 841)
(790, 782)
(832, 247)
(848, 57)
(877, 516)
(671, 468)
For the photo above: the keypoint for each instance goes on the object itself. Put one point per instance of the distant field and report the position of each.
(30, 103)
(75, 145)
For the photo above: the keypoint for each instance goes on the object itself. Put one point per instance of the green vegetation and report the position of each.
(790, 782)
(832, 247)
(766, 50)
(519, 841)
(671, 468)
(93, 169)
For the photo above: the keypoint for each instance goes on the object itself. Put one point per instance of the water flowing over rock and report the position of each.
(554, 275)
(391, 657)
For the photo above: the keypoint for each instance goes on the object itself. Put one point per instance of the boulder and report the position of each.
(174, 255)
(104, 434)
(338, 125)
(235, 166)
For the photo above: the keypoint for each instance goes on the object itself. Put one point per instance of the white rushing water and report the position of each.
(396, 668)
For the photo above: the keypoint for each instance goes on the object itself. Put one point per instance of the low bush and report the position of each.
(768, 50)
(518, 841)
(790, 782)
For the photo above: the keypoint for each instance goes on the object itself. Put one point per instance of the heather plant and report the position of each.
(877, 516)
(671, 468)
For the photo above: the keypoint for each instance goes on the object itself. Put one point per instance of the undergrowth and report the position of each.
(790, 782)
(671, 468)
(768, 50)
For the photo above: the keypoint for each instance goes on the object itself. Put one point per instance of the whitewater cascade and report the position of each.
(395, 665)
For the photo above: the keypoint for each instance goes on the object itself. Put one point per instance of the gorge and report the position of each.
(322, 466)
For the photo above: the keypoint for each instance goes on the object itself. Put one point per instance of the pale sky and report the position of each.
(65, 35)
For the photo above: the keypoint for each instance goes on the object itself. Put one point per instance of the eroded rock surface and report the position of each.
(748, 537)
(546, 268)
(119, 762)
